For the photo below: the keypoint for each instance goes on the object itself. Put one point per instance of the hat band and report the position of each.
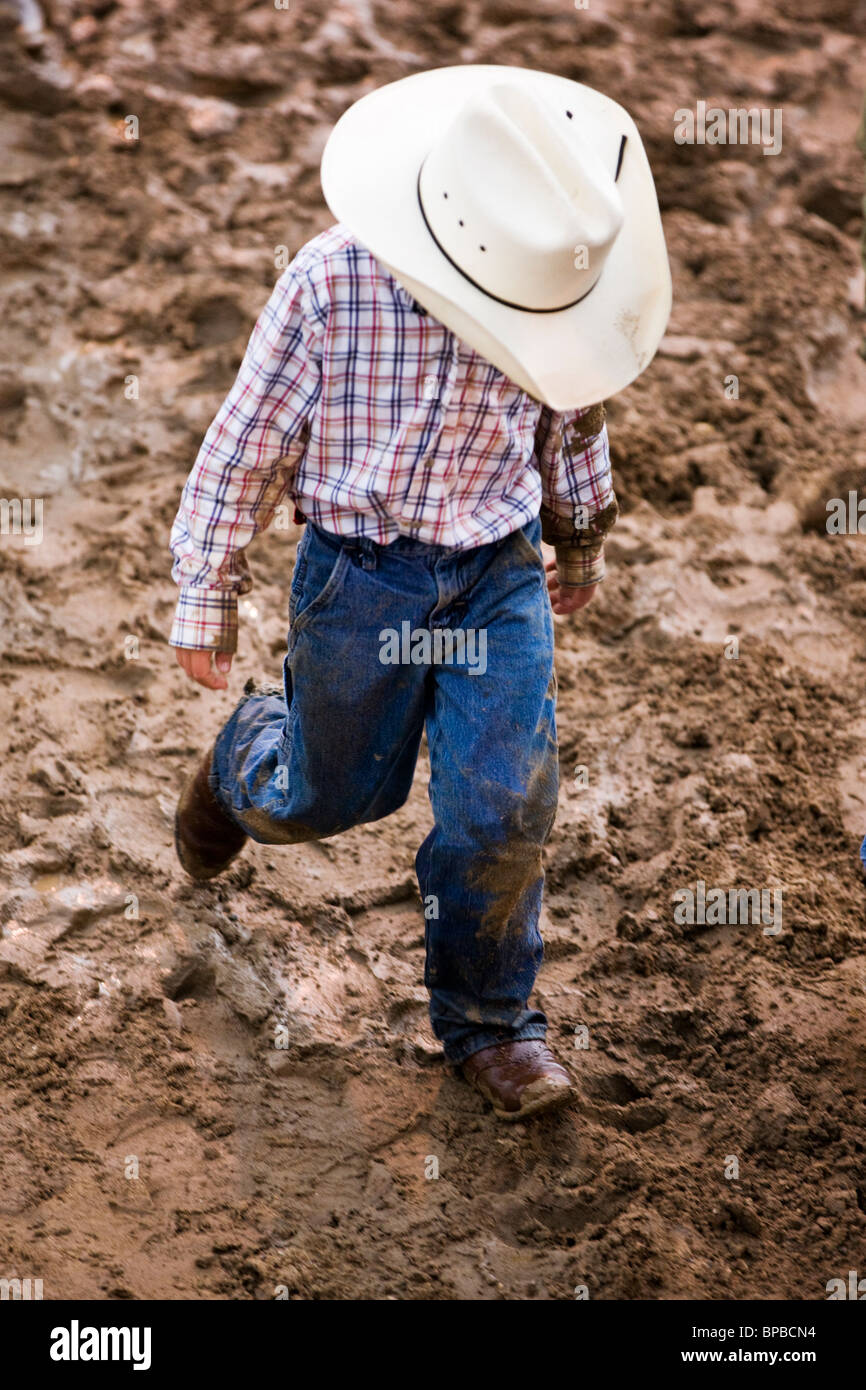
(509, 303)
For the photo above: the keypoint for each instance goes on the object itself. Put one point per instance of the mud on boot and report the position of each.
(205, 839)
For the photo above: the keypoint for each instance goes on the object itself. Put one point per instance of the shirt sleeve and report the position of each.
(245, 465)
(578, 500)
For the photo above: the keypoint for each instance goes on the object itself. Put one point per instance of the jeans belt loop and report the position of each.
(367, 550)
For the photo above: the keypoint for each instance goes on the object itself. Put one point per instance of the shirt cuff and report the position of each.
(206, 620)
(579, 566)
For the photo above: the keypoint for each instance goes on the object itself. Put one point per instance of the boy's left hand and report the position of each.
(565, 600)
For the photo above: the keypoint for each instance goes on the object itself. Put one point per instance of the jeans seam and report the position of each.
(217, 793)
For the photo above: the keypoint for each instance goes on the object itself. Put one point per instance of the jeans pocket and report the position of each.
(525, 541)
(298, 575)
(324, 565)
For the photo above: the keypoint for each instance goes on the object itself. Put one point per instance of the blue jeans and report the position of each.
(383, 641)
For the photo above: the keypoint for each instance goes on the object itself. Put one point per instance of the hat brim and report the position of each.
(568, 358)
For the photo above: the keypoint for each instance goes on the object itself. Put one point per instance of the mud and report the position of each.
(224, 1091)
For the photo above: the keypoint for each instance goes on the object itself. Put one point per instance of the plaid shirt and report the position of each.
(375, 420)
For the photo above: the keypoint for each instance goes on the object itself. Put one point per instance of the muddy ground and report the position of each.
(229, 1091)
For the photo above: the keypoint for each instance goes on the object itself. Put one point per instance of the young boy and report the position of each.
(421, 384)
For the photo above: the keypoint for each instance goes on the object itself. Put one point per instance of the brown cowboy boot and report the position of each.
(518, 1078)
(205, 839)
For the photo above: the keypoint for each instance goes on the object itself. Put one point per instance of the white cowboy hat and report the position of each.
(519, 209)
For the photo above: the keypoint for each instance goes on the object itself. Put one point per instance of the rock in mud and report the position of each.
(244, 990)
(776, 1110)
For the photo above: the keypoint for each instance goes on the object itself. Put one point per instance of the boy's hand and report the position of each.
(565, 600)
(198, 666)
